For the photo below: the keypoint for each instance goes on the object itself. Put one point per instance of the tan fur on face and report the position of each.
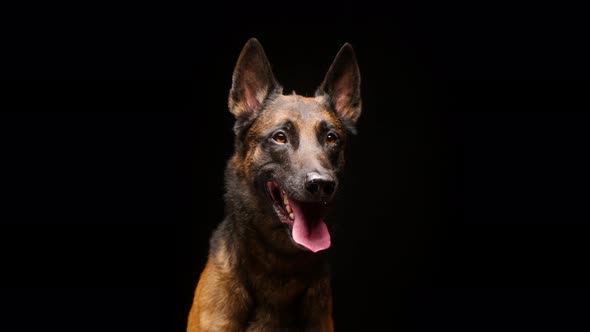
(306, 112)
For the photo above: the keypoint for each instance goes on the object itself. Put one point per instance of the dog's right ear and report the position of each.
(252, 81)
(342, 87)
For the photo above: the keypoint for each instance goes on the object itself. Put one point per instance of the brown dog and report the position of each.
(267, 268)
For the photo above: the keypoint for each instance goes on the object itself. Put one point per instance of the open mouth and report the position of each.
(305, 219)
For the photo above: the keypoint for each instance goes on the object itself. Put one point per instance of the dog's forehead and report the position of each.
(299, 109)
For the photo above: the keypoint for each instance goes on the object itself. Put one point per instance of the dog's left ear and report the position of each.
(252, 81)
(342, 86)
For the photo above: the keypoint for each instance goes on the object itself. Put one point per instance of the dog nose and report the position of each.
(320, 185)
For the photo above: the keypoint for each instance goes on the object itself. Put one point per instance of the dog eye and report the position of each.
(331, 139)
(280, 137)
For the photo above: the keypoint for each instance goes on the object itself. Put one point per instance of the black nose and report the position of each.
(320, 185)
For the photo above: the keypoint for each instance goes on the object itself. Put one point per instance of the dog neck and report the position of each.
(274, 279)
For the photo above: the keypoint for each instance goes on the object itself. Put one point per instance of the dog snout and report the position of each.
(320, 186)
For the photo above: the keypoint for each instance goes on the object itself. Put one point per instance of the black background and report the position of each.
(465, 200)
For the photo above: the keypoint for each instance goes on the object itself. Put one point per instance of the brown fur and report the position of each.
(256, 278)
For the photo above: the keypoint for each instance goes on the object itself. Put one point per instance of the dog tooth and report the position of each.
(292, 216)
(288, 207)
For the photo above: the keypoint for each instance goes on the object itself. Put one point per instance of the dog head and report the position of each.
(290, 148)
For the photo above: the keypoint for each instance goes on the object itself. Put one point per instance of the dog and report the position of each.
(267, 268)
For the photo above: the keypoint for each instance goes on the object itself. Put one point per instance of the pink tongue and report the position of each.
(309, 230)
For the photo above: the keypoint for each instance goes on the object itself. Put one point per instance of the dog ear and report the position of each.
(342, 86)
(252, 81)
